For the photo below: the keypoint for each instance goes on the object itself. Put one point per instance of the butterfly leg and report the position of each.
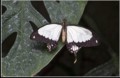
(73, 49)
(51, 45)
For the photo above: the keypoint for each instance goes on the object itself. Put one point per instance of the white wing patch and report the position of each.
(51, 31)
(78, 34)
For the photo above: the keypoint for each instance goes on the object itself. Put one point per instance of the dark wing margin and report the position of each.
(48, 34)
(43, 39)
(94, 41)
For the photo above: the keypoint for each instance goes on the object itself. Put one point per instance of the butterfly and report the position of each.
(73, 36)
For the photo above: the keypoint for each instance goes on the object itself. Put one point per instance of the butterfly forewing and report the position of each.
(48, 34)
(78, 37)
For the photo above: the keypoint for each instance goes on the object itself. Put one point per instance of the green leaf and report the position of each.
(114, 56)
(107, 69)
(70, 10)
(27, 57)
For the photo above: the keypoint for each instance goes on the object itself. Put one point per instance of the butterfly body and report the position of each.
(64, 32)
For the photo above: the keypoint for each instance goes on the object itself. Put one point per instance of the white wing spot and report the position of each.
(96, 41)
(74, 48)
(34, 37)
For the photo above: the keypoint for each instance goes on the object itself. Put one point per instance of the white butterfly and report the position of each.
(74, 36)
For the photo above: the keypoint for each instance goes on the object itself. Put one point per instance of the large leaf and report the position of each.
(27, 57)
(106, 69)
(111, 66)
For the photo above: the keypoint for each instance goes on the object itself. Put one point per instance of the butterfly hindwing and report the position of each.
(48, 34)
(78, 37)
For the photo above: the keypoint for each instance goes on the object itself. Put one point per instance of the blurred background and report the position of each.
(100, 16)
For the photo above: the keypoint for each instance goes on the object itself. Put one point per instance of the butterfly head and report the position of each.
(64, 21)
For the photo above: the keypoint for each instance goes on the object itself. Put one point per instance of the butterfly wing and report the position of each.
(48, 34)
(78, 37)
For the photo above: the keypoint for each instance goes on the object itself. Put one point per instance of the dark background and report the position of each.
(106, 16)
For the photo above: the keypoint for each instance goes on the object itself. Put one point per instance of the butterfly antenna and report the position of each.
(75, 57)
